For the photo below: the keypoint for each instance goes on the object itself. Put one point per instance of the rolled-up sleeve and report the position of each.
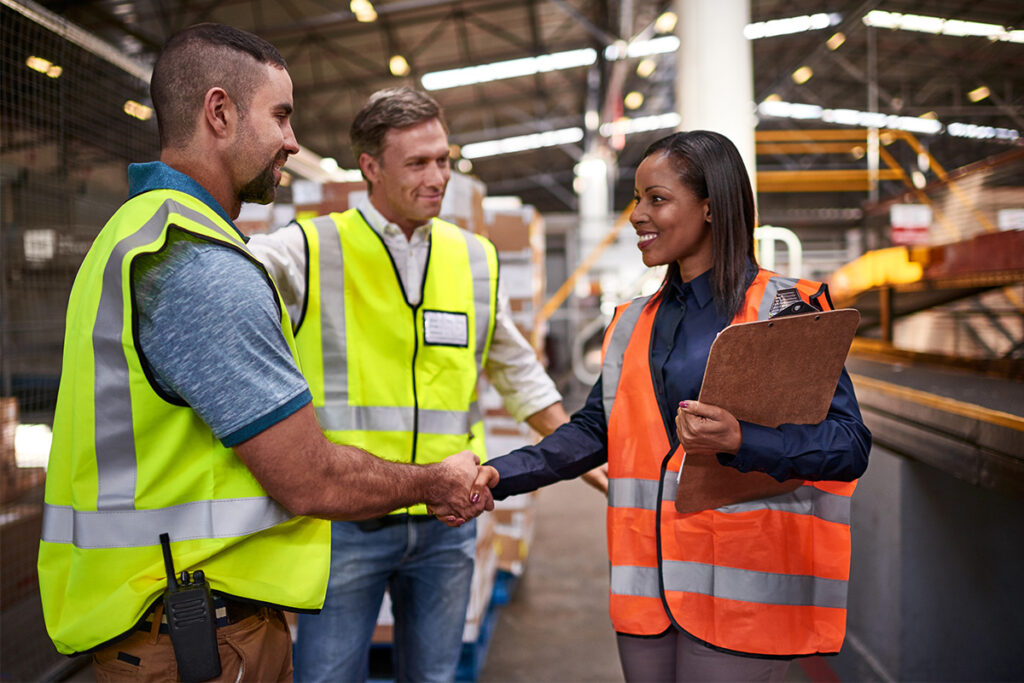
(283, 254)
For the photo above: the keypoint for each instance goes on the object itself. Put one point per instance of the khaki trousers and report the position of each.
(257, 648)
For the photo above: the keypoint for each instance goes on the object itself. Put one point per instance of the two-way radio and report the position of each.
(191, 622)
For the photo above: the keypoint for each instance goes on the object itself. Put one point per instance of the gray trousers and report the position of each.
(677, 657)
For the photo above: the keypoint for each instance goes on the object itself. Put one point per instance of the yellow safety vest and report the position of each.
(126, 464)
(395, 379)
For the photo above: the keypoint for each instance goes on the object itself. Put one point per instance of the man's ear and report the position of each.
(219, 112)
(370, 167)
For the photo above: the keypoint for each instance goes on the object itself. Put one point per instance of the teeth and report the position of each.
(645, 238)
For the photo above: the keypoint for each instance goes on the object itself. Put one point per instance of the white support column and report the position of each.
(714, 72)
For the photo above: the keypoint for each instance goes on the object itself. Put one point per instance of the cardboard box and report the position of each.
(509, 231)
(8, 428)
(514, 521)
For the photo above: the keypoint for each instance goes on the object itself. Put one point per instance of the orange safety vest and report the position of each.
(765, 577)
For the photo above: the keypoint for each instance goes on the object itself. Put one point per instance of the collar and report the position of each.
(156, 175)
(380, 224)
(698, 289)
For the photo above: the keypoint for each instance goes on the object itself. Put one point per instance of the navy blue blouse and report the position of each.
(684, 328)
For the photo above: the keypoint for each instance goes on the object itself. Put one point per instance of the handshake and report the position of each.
(463, 489)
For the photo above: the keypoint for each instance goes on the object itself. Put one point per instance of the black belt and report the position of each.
(378, 523)
(226, 610)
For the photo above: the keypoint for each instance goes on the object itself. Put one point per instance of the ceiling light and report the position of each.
(513, 68)
(782, 27)
(646, 67)
(522, 143)
(641, 48)
(774, 97)
(329, 164)
(454, 151)
(464, 165)
(666, 23)
(929, 115)
(633, 100)
(837, 39)
(970, 130)
(364, 11)
(940, 25)
(398, 66)
(802, 75)
(918, 179)
(626, 126)
(858, 152)
(137, 110)
(979, 93)
(44, 66)
(849, 117)
(591, 119)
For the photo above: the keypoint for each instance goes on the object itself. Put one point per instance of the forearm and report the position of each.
(309, 475)
(548, 419)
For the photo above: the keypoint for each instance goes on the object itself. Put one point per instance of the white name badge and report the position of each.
(442, 328)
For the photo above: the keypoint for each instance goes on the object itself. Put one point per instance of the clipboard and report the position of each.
(770, 372)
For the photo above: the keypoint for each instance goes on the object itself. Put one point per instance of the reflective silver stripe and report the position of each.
(392, 419)
(332, 312)
(753, 586)
(481, 271)
(771, 289)
(139, 528)
(611, 368)
(633, 493)
(806, 500)
(114, 433)
(638, 581)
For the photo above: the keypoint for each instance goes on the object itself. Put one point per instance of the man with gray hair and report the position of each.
(397, 314)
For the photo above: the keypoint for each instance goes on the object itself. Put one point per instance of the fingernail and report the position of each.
(684, 404)
(451, 519)
(475, 497)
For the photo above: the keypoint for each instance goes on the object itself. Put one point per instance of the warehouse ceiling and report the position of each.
(336, 61)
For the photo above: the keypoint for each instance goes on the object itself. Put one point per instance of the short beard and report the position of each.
(262, 189)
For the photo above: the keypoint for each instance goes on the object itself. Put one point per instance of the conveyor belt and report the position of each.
(965, 424)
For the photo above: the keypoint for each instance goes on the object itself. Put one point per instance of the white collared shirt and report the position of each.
(512, 366)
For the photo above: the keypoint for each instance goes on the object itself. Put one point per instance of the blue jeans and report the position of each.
(427, 568)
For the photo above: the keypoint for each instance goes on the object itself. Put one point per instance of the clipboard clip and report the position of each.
(788, 302)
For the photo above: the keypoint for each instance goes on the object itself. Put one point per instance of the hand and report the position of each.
(706, 430)
(486, 479)
(456, 502)
(598, 478)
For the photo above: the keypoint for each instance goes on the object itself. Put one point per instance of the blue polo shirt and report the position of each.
(684, 328)
(209, 325)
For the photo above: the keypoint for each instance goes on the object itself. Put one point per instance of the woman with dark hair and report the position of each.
(733, 593)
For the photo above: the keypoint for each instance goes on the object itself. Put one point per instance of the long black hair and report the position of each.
(709, 164)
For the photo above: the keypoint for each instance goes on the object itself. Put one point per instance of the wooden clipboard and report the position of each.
(771, 372)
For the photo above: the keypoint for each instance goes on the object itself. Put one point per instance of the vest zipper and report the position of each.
(415, 399)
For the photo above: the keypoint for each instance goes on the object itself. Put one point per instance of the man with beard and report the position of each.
(183, 424)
